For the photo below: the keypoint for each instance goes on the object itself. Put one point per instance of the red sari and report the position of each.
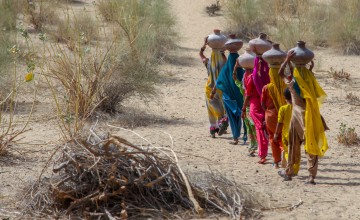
(257, 115)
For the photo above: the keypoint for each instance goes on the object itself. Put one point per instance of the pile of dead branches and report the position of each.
(114, 179)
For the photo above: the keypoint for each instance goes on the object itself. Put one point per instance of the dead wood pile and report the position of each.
(114, 179)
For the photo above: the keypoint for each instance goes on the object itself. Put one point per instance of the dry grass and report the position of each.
(145, 33)
(40, 13)
(353, 99)
(347, 135)
(72, 29)
(333, 24)
(339, 74)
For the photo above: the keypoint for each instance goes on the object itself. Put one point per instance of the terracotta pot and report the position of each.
(246, 60)
(216, 40)
(275, 56)
(233, 44)
(260, 45)
(302, 55)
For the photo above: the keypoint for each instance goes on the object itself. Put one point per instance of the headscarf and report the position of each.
(276, 88)
(260, 74)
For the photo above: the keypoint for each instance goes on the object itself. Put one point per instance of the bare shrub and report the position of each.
(213, 8)
(347, 135)
(353, 99)
(339, 75)
(40, 13)
(81, 76)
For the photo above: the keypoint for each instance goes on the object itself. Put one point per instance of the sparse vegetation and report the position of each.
(213, 8)
(334, 23)
(81, 26)
(339, 75)
(145, 33)
(347, 135)
(353, 99)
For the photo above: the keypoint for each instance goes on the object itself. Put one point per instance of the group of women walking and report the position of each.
(273, 106)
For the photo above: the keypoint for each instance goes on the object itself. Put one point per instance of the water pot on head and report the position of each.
(275, 56)
(216, 40)
(302, 55)
(233, 44)
(260, 44)
(246, 60)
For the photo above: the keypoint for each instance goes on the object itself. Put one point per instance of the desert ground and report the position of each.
(180, 111)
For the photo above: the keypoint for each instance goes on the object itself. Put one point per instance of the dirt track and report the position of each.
(180, 111)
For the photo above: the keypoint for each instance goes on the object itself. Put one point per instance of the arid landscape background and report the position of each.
(161, 80)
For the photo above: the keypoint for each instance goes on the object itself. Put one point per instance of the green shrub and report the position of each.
(145, 35)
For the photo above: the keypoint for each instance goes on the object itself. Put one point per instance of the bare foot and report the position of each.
(262, 161)
(234, 142)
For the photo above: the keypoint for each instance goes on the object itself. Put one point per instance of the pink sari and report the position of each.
(257, 114)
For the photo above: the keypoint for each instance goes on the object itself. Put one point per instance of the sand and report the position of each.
(180, 112)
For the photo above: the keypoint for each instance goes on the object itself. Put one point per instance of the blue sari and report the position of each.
(233, 100)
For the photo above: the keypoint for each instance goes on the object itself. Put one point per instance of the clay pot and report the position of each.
(260, 45)
(246, 60)
(302, 55)
(216, 40)
(233, 44)
(275, 56)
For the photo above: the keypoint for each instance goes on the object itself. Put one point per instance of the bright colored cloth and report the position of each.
(214, 106)
(276, 88)
(260, 74)
(271, 116)
(257, 115)
(249, 124)
(284, 118)
(315, 139)
(233, 100)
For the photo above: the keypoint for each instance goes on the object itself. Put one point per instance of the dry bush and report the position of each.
(339, 75)
(247, 19)
(9, 9)
(81, 76)
(41, 13)
(110, 178)
(344, 32)
(80, 27)
(334, 23)
(347, 135)
(353, 99)
(145, 33)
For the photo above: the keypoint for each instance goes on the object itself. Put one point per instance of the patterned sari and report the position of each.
(214, 106)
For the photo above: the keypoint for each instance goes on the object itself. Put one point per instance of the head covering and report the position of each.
(276, 88)
(260, 74)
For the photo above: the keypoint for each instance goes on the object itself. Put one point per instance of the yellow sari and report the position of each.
(311, 91)
(276, 88)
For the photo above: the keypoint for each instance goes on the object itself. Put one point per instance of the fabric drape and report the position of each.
(314, 95)
(214, 106)
(276, 88)
(260, 74)
(233, 100)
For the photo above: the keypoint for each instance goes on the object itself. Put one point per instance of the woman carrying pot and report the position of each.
(232, 97)
(214, 103)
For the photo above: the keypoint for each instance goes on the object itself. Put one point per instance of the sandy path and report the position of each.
(181, 112)
(337, 194)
